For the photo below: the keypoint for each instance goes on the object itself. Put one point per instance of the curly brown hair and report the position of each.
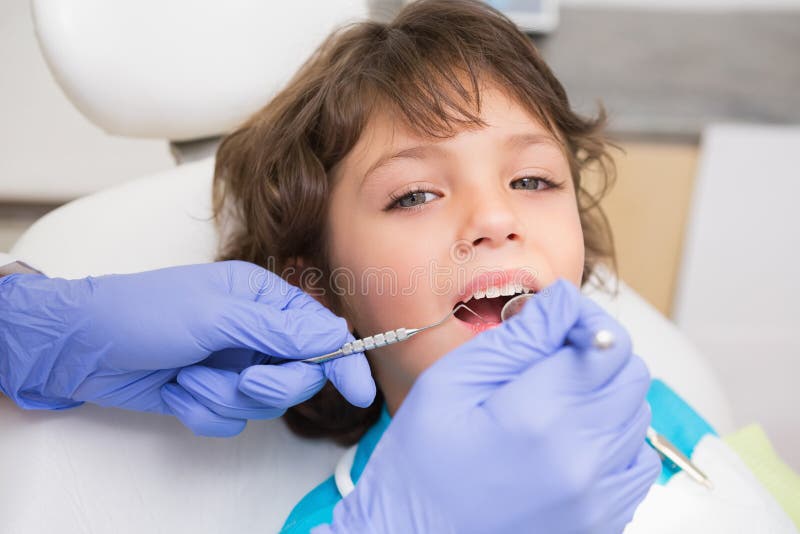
(273, 174)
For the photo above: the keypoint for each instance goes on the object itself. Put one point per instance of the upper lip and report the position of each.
(498, 278)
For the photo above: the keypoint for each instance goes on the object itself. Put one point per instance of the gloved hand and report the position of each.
(525, 428)
(121, 340)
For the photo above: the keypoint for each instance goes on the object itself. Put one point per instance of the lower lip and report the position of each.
(477, 328)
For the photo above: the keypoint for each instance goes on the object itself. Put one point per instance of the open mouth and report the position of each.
(488, 304)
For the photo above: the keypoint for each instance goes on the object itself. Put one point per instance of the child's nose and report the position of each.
(490, 220)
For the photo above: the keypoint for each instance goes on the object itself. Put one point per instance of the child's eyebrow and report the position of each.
(512, 142)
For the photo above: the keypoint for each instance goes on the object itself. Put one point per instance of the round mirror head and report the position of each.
(514, 305)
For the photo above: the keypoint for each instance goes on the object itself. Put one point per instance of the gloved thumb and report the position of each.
(497, 356)
(285, 385)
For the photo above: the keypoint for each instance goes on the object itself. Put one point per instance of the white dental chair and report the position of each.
(185, 71)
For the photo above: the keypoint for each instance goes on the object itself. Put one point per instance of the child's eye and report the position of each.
(418, 197)
(411, 199)
(533, 183)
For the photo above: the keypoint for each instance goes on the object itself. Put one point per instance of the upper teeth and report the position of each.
(509, 289)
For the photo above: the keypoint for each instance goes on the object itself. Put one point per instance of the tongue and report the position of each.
(487, 308)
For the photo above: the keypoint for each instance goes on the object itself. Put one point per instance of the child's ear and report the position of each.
(301, 273)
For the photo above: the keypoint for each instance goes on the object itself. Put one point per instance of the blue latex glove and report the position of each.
(525, 428)
(121, 340)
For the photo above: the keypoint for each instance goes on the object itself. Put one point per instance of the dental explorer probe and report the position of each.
(604, 339)
(381, 340)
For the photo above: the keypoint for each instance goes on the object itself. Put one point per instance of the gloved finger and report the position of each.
(624, 442)
(584, 375)
(218, 391)
(284, 385)
(543, 392)
(592, 319)
(630, 486)
(195, 416)
(251, 282)
(135, 390)
(290, 333)
(622, 492)
(602, 364)
(233, 359)
(616, 400)
(266, 314)
(352, 376)
(566, 385)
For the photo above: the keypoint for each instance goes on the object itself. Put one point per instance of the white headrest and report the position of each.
(181, 69)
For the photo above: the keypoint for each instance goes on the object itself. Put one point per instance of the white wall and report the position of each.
(48, 151)
(686, 4)
(738, 288)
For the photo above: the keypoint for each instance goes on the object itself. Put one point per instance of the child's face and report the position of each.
(472, 215)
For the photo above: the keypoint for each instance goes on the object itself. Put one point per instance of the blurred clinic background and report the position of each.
(703, 97)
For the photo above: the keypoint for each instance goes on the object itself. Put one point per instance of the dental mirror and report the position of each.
(514, 305)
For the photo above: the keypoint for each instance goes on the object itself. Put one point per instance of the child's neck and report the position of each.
(394, 389)
(393, 402)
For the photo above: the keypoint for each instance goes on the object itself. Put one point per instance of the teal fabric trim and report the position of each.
(316, 508)
(368, 443)
(674, 419)
(313, 510)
